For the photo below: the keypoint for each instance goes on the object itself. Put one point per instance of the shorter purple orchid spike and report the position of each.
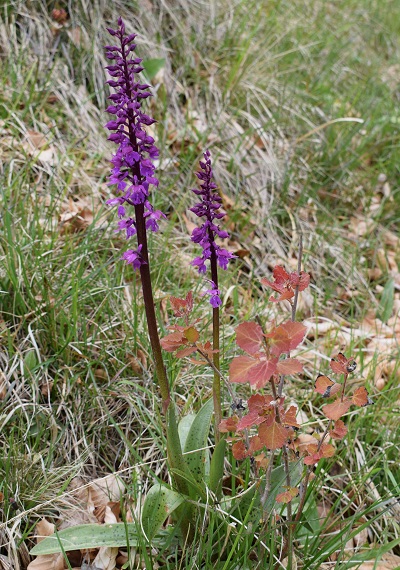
(205, 235)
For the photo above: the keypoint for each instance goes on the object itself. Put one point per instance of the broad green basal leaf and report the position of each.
(85, 536)
(159, 503)
(195, 453)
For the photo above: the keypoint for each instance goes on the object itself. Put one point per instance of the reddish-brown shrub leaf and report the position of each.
(342, 365)
(289, 417)
(249, 420)
(327, 450)
(191, 334)
(339, 431)
(303, 280)
(284, 296)
(249, 337)
(182, 307)
(337, 367)
(337, 409)
(257, 402)
(289, 366)
(207, 349)
(228, 424)
(313, 459)
(273, 436)
(325, 386)
(286, 337)
(281, 278)
(280, 274)
(239, 368)
(197, 362)
(172, 341)
(287, 496)
(361, 398)
(239, 450)
(185, 351)
(177, 306)
(262, 372)
(189, 301)
(255, 444)
(312, 448)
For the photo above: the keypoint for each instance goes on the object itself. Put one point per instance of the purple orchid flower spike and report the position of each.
(209, 208)
(133, 169)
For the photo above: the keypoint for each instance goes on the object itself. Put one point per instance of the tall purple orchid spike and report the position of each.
(133, 169)
(208, 208)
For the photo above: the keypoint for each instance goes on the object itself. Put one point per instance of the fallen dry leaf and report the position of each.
(44, 528)
(388, 561)
(106, 489)
(76, 215)
(105, 559)
(34, 145)
(48, 561)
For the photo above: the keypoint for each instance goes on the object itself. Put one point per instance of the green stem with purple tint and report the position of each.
(216, 346)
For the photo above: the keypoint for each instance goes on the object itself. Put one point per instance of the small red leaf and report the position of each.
(239, 450)
(182, 307)
(312, 459)
(249, 337)
(326, 386)
(337, 367)
(240, 367)
(285, 296)
(337, 409)
(289, 417)
(339, 431)
(172, 341)
(327, 450)
(280, 274)
(361, 398)
(273, 436)
(342, 365)
(262, 372)
(228, 424)
(255, 444)
(287, 496)
(249, 420)
(302, 280)
(257, 402)
(186, 351)
(191, 334)
(289, 366)
(286, 337)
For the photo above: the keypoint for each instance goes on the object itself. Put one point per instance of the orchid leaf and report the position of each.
(159, 503)
(196, 453)
(85, 536)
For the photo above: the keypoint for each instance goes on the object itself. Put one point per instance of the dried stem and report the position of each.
(303, 494)
(268, 474)
(296, 292)
(344, 386)
(217, 371)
